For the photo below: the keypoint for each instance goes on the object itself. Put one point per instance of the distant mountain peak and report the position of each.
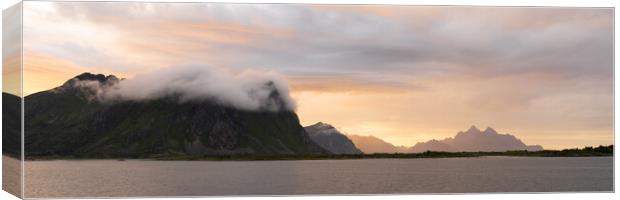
(473, 129)
(489, 130)
(475, 140)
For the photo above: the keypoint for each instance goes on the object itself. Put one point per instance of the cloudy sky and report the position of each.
(402, 73)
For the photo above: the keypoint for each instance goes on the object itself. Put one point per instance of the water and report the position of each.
(111, 178)
(11, 175)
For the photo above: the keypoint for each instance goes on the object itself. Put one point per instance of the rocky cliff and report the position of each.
(331, 139)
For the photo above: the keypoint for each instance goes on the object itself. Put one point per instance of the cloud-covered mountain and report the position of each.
(70, 121)
(331, 139)
(246, 90)
(371, 144)
(476, 140)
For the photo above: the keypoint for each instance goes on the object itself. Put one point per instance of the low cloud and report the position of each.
(246, 90)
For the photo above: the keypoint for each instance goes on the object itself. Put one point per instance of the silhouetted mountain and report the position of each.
(371, 144)
(11, 124)
(331, 139)
(432, 145)
(66, 121)
(474, 140)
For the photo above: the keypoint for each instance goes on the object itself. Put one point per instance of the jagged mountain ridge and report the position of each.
(66, 121)
(328, 137)
(474, 140)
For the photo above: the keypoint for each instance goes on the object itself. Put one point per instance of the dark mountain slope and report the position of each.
(11, 124)
(68, 121)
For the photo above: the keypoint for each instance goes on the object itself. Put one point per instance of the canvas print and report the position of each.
(144, 99)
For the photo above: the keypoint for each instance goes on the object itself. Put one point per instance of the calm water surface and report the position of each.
(111, 178)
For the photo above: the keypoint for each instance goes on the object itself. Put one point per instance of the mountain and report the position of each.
(371, 144)
(11, 124)
(474, 140)
(331, 139)
(432, 145)
(70, 121)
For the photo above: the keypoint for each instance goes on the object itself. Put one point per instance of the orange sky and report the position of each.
(405, 74)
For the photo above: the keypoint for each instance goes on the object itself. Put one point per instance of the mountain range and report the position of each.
(472, 140)
(70, 120)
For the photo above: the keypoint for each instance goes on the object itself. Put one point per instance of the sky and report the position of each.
(405, 74)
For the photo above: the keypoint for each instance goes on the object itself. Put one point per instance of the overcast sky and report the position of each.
(406, 74)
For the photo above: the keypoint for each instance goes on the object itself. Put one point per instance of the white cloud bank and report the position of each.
(246, 90)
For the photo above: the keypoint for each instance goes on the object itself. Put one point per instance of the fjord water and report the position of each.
(112, 178)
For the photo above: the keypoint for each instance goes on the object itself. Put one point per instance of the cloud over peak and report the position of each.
(246, 90)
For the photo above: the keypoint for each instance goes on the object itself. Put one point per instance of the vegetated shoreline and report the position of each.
(600, 151)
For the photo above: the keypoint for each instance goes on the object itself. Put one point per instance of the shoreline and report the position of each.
(607, 152)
